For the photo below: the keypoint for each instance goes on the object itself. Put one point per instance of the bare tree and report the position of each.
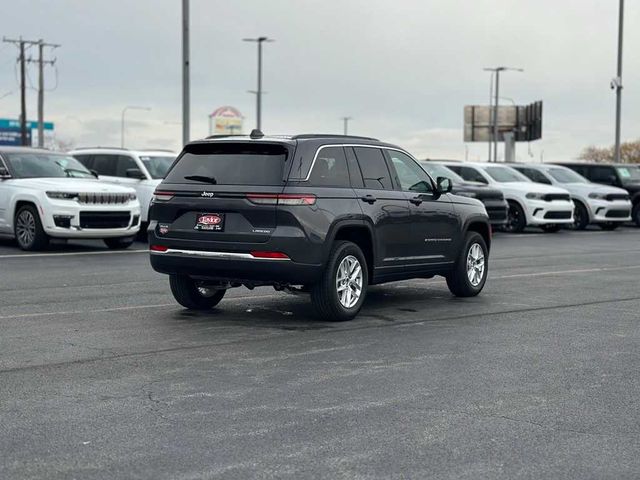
(629, 153)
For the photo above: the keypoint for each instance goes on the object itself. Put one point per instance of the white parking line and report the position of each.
(118, 309)
(566, 272)
(68, 254)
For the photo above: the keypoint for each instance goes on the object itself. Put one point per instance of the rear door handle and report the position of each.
(416, 200)
(369, 199)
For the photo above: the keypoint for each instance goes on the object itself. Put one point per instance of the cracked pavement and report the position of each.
(102, 375)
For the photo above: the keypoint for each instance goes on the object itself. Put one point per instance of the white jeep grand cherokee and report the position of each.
(46, 194)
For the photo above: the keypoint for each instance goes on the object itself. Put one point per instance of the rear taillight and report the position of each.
(271, 255)
(162, 196)
(281, 199)
(158, 248)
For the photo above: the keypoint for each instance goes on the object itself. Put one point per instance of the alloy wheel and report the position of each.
(25, 228)
(349, 281)
(475, 264)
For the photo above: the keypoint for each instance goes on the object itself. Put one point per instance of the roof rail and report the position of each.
(100, 147)
(331, 135)
(168, 150)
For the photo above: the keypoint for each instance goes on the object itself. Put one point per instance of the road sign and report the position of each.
(10, 133)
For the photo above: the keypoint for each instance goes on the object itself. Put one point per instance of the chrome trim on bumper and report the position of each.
(221, 255)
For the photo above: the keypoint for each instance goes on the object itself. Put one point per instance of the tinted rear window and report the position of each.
(230, 164)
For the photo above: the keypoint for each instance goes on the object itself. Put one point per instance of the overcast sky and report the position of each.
(402, 69)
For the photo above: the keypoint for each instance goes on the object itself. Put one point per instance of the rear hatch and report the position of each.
(223, 192)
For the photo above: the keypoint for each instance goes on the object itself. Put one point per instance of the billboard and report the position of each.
(10, 133)
(525, 121)
(225, 121)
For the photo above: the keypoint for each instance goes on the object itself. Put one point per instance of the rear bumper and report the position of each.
(233, 266)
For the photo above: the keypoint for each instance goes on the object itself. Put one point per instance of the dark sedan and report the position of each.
(493, 199)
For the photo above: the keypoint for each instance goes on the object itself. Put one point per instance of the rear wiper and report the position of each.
(201, 178)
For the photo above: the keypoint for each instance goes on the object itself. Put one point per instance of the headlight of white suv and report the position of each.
(598, 196)
(132, 196)
(535, 196)
(63, 195)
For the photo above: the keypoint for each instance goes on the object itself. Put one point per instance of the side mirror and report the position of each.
(94, 173)
(135, 173)
(4, 173)
(444, 185)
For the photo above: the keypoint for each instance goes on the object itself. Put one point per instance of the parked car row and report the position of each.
(85, 194)
(551, 196)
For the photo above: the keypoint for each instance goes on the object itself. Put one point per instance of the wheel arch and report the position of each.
(480, 225)
(20, 201)
(359, 232)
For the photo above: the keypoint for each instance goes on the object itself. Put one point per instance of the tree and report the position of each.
(629, 153)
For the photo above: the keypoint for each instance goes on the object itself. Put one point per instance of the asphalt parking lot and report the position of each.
(103, 375)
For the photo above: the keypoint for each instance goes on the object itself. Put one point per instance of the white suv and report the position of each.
(608, 207)
(140, 169)
(530, 203)
(46, 194)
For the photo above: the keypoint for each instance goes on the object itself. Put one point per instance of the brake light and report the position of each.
(161, 196)
(281, 199)
(158, 248)
(271, 255)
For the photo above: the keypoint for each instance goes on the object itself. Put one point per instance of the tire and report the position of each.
(331, 305)
(28, 230)
(635, 214)
(459, 280)
(609, 226)
(580, 216)
(516, 219)
(119, 243)
(188, 294)
(551, 228)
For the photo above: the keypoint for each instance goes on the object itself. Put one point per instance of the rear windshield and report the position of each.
(230, 164)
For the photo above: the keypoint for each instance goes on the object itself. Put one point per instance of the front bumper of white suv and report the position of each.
(91, 216)
(602, 210)
(545, 212)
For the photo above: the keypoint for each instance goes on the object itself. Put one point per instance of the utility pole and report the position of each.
(186, 96)
(259, 41)
(23, 100)
(345, 124)
(41, 63)
(617, 82)
(494, 120)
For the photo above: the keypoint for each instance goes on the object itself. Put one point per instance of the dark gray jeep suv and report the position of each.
(324, 214)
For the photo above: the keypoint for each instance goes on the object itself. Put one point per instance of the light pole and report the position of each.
(124, 110)
(345, 124)
(186, 95)
(259, 41)
(617, 82)
(497, 71)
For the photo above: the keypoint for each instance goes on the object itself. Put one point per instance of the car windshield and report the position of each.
(157, 165)
(505, 175)
(629, 174)
(35, 165)
(566, 175)
(436, 170)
